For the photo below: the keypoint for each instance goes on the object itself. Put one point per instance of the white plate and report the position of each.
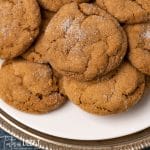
(73, 123)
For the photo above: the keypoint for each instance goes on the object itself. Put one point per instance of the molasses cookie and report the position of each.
(127, 11)
(115, 93)
(30, 87)
(55, 5)
(139, 46)
(32, 55)
(19, 26)
(83, 41)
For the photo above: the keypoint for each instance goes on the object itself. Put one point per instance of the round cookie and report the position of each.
(139, 46)
(115, 93)
(127, 11)
(19, 26)
(83, 42)
(30, 87)
(55, 5)
(31, 55)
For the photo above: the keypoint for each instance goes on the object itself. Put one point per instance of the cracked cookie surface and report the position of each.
(139, 46)
(83, 42)
(19, 26)
(116, 92)
(127, 11)
(30, 87)
(32, 55)
(55, 5)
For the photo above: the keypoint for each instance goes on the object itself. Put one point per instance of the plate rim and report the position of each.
(9, 124)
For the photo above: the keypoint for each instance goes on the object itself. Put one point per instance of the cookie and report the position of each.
(31, 55)
(127, 11)
(19, 26)
(139, 46)
(115, 93)
(30, 87)
(55, 5)
(83, 42)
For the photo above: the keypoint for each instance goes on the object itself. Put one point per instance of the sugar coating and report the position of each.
(147, 34)
(66, 24)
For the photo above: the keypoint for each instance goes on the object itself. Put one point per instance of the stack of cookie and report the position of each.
(95, 53)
